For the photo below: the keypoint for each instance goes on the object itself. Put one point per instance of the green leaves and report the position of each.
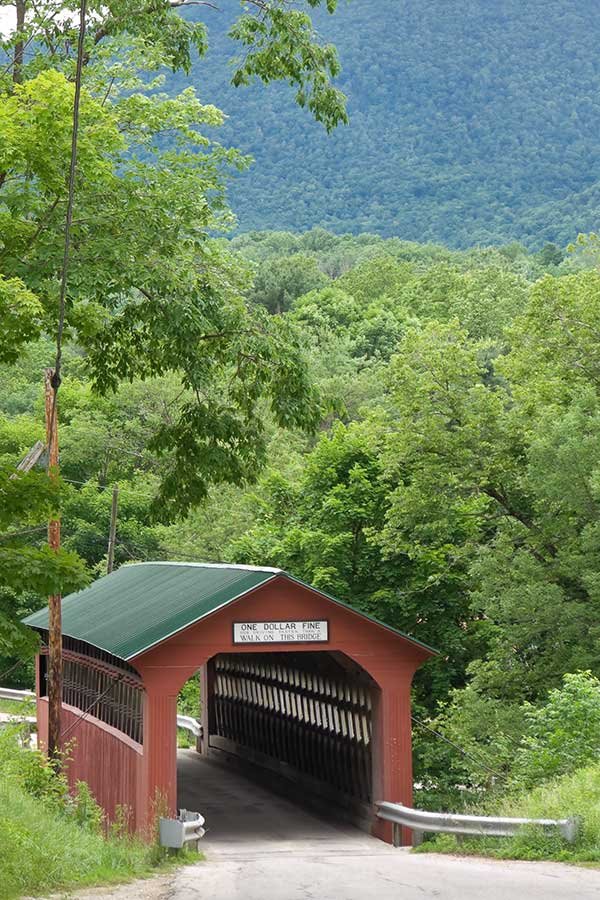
(280, 44)
(26, 497)
(280, 280)
(27, 501)
(560, 329)
(151, 295)
(20, 318)
(149, 292)
(563, 734)
(42, 570)
(220, 433)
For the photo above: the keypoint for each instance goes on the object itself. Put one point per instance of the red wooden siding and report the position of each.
(108, 760)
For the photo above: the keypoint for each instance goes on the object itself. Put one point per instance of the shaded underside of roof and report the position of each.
(141, 605)
(138, 606)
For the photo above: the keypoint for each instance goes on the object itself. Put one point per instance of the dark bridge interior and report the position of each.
(305, 716)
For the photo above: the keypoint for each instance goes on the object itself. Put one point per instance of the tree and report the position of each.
(325, 527)
(484, 299)
(563, 734)
(149, 291)
(281, 280)
(279, 43)
(495, 466)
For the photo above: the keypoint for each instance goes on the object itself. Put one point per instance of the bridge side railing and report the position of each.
(187, 722)
(422, 822)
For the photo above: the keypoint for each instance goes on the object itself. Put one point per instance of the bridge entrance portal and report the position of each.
(297, 686)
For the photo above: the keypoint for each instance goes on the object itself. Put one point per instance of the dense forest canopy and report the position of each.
(406, 424)
(470, 122)
(451, 487)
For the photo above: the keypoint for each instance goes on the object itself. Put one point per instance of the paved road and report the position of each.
(261, 847)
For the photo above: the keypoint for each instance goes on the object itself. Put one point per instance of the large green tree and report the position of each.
(149, 293)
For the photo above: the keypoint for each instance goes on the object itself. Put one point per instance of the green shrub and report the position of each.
(185, 739)
(189, 697)
(561, 736)
(575, 795)
(30, 769)
(44, 851)
(86, 812)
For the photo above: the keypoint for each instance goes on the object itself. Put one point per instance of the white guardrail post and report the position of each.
(421, 822)
(185, 829)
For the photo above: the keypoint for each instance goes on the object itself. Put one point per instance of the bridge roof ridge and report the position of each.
(125, 613)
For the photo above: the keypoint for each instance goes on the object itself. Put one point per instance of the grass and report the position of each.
(185, 739)
(51, 841)
(17, 706)
(577, 795)
(44, 851)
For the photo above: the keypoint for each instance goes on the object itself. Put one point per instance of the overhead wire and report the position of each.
(86, 712)
(106, 487)
(456, 746)
(9, 535)
(62, 297)
(18, 663)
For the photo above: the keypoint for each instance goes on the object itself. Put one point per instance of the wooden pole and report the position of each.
(19, 52)
(54, 602)
(113, 529)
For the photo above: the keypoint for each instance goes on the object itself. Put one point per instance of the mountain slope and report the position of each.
(471, 122)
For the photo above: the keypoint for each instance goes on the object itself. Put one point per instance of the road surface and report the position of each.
(262, 847)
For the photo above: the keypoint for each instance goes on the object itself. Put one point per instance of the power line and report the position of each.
(18, 663)
(164, 554)
(94, 703)
(105, 487)
(458, 747)
(9, 535)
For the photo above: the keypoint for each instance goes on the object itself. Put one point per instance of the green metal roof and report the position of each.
(137, 606)
(140, 605)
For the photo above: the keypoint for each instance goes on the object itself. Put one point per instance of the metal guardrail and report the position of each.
(185, 829)
(11, 694)
(16, 717)
(190, 724)
(421, 822)
(188, 826)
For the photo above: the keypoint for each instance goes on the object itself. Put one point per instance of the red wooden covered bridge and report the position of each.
(292, 680)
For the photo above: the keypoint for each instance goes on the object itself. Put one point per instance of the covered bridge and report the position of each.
(292, 681)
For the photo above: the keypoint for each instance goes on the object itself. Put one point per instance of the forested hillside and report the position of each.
(471, 122)
(451, 487)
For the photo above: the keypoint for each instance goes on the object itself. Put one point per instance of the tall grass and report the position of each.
(52, 841)
(17, 707)
(44, 850)
(576, 795)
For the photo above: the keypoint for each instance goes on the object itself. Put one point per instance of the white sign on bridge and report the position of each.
(280, 632)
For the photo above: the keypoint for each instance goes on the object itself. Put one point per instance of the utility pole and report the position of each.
(55, 667)
(19, 51)
(113, 529)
